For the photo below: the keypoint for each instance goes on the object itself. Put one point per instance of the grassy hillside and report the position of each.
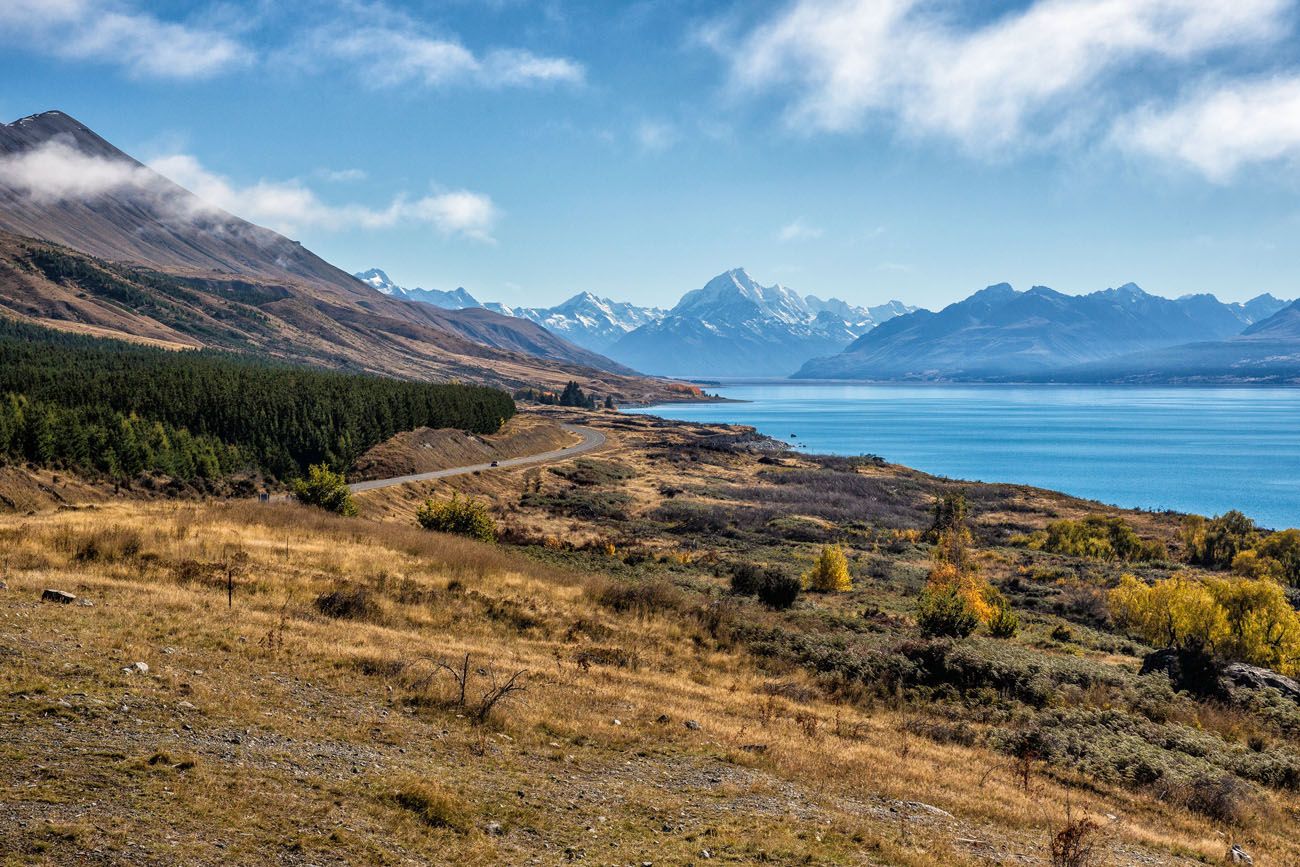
(302, 698)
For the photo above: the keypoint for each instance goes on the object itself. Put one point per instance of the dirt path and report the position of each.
(591, 439)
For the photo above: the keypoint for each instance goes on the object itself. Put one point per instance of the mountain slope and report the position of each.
(124, 252)
(1266, 352)
(588, 320)
(733, 326)
(999, 332)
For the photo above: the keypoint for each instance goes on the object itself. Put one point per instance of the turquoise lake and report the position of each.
(1192, 449)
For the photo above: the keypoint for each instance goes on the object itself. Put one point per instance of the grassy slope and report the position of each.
(315, 739)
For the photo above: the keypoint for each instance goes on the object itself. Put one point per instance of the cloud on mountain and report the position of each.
(58, 171)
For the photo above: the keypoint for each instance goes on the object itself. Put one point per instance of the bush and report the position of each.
(746, 579)
(778, 590)
(945, 612)
(1102, 538)
(1004, 623)
(463, 516)
(348, 603)
(325, 489)
(1223, 798)
(830, 574)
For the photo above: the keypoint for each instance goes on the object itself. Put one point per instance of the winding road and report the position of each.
(591, 439)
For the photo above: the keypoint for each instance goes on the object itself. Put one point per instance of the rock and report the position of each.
(618, 722)
(185, 705)
(4, 585)
(1238, 675)
(136, 668)
(85, 603)
(663, 719)
(1237, 855)
(494, 829)
(692, 725)
(60, 596)
(754, 748)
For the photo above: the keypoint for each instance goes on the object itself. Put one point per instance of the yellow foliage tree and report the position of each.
(830, 574)
(954, 568)
(1237, 618)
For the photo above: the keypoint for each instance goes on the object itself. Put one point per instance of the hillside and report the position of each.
(133, 255)
(999, 332)
(662, 716)
(1267, 352)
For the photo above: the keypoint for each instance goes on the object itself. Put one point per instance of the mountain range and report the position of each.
(1000, 332)
(731, 327)
(94, 241)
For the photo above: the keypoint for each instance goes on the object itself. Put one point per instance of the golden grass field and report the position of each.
(295, 727)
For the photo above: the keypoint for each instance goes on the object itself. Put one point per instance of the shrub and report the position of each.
(348, 603)
(463, 516)
(641, 597)
(746, 579)
(1236, 618)
(587, 472)
(1004, 623)
(433, 806)
(945, 612)
(778, 590)
(1102, 538)
(325, 489)
(1223, 798)
(830, 574)
(1217, 542)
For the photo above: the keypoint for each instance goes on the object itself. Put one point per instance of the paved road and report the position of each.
(591, 439)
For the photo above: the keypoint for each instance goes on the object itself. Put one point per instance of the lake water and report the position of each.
(1203, 450)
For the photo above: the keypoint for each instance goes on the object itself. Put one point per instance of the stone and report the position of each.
(60, 596)
(185, 705)
(4, 585)
(495, 829)
(85, 603)
(1239, 675)
(692, 725)
(136, 668)
(1237, 855)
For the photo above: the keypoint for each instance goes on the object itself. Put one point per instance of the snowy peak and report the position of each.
(456, 299)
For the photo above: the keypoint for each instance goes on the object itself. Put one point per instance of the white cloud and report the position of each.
(1219, 130)
(57, 171)
(289, 206)
(798, 231)
(108, 31)
(392, 56)
(655, 136)
(1035, 71)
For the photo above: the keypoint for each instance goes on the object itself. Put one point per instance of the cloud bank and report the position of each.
(1047, 71)
(58, 171)
(105, 31)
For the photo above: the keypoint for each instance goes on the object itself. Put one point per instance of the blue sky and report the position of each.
(866, 149)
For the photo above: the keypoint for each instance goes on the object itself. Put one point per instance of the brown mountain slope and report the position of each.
(196, 275)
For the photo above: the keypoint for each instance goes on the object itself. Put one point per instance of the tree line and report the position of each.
(118, 409)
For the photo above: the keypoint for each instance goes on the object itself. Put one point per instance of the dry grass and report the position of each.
(271, 730)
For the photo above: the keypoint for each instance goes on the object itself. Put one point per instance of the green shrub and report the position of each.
(1004, 623)
(325, 489)
(1100, 537)
(587, 472)
(463, 516)
(778, 590)
(945, 612)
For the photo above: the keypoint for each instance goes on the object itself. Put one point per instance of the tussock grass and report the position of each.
(315, 736)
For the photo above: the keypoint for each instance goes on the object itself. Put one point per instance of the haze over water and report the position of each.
(1203, 450)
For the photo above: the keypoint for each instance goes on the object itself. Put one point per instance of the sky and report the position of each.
(862, 149)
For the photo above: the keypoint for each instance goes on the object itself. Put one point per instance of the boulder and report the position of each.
(60, 596)
(136, 668)
(1237, 855)
(1238, 675)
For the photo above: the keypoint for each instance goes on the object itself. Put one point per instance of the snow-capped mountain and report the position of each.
(733, 326)
(587, 320)
(457, 299)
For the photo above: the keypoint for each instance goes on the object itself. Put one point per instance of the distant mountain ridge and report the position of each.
(999, 332)
(734, 326)
(587, 320)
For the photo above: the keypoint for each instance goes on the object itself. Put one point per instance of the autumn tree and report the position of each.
(830, 573)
